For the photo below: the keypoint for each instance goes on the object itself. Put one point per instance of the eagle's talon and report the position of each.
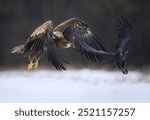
(33, 66)
(30, 66)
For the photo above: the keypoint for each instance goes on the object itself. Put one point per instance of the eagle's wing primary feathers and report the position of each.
(97, 52)
(78, 32)
(54, 56)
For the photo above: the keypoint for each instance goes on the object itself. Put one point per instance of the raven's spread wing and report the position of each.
(78, 32)
(54, 56)
(125, 35)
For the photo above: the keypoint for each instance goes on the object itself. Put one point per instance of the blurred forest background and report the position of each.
(18, 19)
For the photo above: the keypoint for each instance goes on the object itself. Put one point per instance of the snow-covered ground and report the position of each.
(74, 86)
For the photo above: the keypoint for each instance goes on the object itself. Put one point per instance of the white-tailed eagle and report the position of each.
(47, 39)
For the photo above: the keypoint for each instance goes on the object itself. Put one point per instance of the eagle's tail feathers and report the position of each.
(18, 49)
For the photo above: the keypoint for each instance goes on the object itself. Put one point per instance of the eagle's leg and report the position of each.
(30, 66)
(36, 63)
(33, 65)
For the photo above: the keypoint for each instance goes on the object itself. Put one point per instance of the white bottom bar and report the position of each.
(75, 111)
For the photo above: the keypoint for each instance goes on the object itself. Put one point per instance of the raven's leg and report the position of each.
(124, 71)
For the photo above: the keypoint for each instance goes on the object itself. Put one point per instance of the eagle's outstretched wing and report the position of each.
(36, 41)
(78, 32)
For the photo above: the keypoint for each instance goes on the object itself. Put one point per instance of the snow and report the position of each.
(73, 86)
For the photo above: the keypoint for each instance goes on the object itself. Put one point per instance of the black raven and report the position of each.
(125, 36)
